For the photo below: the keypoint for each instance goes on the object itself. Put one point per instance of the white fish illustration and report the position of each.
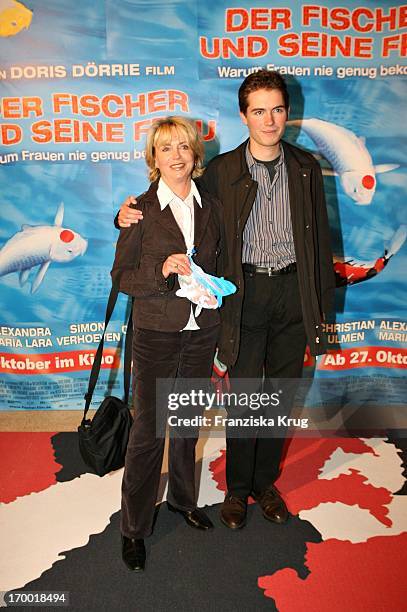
(348, 156)
(39, 245)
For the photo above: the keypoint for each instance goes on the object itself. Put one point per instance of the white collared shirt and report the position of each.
(183, 211)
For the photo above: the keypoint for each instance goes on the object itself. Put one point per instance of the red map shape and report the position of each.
(299, 481)
(217, 469)
(27, 464)
(344, 576)
(302, 489)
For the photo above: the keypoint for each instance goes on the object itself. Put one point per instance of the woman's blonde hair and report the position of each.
(160, 131)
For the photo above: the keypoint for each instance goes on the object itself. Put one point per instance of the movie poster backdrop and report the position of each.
(80, 88)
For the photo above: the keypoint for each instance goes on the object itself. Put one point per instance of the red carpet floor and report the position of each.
(343, 548)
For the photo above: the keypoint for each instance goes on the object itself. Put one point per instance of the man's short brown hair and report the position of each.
(262, 79)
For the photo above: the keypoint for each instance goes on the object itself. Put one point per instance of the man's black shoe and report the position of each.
(195, 518)
(233, 512)
(134, 553)
(272, 505)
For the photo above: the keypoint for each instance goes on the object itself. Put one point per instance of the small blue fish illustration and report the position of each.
(202, 289)
(39, 245)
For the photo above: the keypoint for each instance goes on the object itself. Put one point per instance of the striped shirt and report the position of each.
(268, 235)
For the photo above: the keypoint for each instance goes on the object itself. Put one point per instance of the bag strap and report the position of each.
(94, 374)
(128, 249)
(127, 355)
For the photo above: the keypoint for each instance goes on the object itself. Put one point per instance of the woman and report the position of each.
(169, 342)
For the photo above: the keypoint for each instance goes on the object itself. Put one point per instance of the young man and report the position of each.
(279, 256)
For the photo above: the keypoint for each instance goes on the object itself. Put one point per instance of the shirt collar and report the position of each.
(251, 161)
(165, 195)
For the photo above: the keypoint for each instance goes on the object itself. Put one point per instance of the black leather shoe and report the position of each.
(134, 553)
(195, 518)
(233, 512)
(272, 505)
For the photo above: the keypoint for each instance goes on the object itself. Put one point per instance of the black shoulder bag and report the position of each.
(103, 440)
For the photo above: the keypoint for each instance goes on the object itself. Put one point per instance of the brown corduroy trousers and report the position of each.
(173, 356)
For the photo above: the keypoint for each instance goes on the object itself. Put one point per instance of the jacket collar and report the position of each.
(166, 195)
(238, 166)
(292, 159)
(239, 169)
(166, 218)
(251, 161)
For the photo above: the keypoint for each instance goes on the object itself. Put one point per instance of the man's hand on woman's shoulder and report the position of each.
(128, 215)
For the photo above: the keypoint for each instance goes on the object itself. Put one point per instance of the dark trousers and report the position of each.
(272, 345)
(164, 355)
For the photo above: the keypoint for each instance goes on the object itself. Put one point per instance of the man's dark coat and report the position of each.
(227, 176)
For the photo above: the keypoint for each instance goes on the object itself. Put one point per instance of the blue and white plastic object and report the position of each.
(202, 289)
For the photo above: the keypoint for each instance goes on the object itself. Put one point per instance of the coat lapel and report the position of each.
(165, 218)
(201, 218)
(295, 188)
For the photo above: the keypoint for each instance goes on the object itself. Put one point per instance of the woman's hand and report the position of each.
(127, 215)
(178, 263)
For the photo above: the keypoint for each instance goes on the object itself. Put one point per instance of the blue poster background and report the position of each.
(151, 52)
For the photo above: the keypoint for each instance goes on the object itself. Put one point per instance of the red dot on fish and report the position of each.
(368, 181)
(66, 236)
